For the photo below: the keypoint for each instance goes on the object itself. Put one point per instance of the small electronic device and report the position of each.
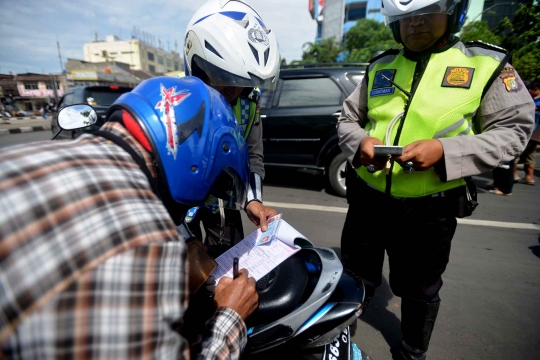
(384, 150)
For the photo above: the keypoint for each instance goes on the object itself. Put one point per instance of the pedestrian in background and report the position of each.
(527, 158)
(458, 110)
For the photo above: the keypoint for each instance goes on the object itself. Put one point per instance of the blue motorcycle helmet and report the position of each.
(194, 139)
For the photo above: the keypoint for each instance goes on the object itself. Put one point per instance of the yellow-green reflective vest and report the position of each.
(245, 111)
(443, 105)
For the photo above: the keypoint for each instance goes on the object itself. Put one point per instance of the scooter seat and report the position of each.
(280, 291)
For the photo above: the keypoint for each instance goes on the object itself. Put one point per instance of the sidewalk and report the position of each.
(16, 125)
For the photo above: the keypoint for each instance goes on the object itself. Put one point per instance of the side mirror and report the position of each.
(75, 117)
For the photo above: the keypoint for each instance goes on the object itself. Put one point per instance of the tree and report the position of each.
(479, 30)
(324, 51)
(521, 37)
(367, 38)
(283, 62)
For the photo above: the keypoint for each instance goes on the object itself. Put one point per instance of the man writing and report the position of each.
(457, 110)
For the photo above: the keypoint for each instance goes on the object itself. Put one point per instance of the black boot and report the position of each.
(417, 322)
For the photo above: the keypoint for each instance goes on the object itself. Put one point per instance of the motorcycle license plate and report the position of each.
(342, 348)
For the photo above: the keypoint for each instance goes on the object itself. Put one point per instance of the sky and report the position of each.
(29, 29)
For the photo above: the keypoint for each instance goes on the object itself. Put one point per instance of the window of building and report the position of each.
(169, 62)
(150, 56)
(176, 65)
(152, 68)
(113, 53)
(30, 85)
(50, 86)
(303, 92)
(355, 12)
(160, 59)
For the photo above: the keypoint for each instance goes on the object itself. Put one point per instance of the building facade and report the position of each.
(82, 73)
(30, 92)
(336, 17)
(139, 54)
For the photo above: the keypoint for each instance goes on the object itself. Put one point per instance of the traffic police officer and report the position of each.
(458, 110)
(229, 47)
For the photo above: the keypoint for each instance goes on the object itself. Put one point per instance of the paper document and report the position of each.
(282, 241)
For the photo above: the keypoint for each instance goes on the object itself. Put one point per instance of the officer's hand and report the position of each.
(238, 294)
(367, 153)
(258, 214)
(423, 154)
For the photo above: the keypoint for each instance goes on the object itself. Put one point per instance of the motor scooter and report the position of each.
(308, 308)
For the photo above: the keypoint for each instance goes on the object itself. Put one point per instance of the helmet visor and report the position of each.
(220, 77)
(440, 7)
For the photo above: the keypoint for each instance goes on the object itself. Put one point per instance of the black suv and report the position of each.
(300, 118)
(99, 97)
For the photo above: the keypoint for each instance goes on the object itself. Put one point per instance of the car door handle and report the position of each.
(337, 114)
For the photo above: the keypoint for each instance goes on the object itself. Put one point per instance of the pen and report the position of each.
(235, 268)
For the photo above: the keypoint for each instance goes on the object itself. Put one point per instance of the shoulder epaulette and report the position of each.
(485, 45)
(386, 53)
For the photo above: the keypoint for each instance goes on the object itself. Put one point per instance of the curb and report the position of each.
(24, 129)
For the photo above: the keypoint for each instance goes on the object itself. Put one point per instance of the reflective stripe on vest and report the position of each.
(443, 105)
(244, 110)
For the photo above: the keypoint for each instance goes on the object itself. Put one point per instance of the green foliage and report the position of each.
(521, 37)
(479, 30)
(367, 38)
(324, 51)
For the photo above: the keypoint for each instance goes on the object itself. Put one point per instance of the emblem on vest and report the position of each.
(508, 76)
(458, 77)
(381, 85)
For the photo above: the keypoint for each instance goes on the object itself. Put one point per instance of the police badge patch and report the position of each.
(508, 77)
(457, 76)
(381, 83)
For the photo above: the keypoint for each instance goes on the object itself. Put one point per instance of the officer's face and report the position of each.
(420, 32)
(229, 92)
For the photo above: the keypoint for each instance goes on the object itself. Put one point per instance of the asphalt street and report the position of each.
(491, 292)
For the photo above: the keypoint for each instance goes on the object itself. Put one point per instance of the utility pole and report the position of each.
(59, 57)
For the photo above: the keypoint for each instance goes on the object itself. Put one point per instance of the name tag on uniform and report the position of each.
(381, 83)
(458, 77)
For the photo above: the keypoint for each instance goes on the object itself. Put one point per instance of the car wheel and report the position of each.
(336, 174)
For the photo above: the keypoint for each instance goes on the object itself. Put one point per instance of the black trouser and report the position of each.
(234, 231)
(415, 233)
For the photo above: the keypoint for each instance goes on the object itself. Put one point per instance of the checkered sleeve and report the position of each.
(225, 337)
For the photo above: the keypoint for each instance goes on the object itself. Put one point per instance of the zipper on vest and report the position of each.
(419, 69)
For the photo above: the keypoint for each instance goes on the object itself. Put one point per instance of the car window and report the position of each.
(309, 92)
(68, 100)
(104, 97)
(355, 78)
(266, 97)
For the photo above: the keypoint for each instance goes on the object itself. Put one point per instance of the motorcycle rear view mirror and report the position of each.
(75, 117)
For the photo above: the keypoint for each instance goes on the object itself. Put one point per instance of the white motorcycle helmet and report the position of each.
(394, 10)
(228, 44)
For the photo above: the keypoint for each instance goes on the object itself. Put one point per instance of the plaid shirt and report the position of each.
(91, 265)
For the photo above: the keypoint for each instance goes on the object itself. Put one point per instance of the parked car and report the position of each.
(300, 118)
(99, 97)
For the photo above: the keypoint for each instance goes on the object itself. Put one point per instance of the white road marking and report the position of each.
(343, 210)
